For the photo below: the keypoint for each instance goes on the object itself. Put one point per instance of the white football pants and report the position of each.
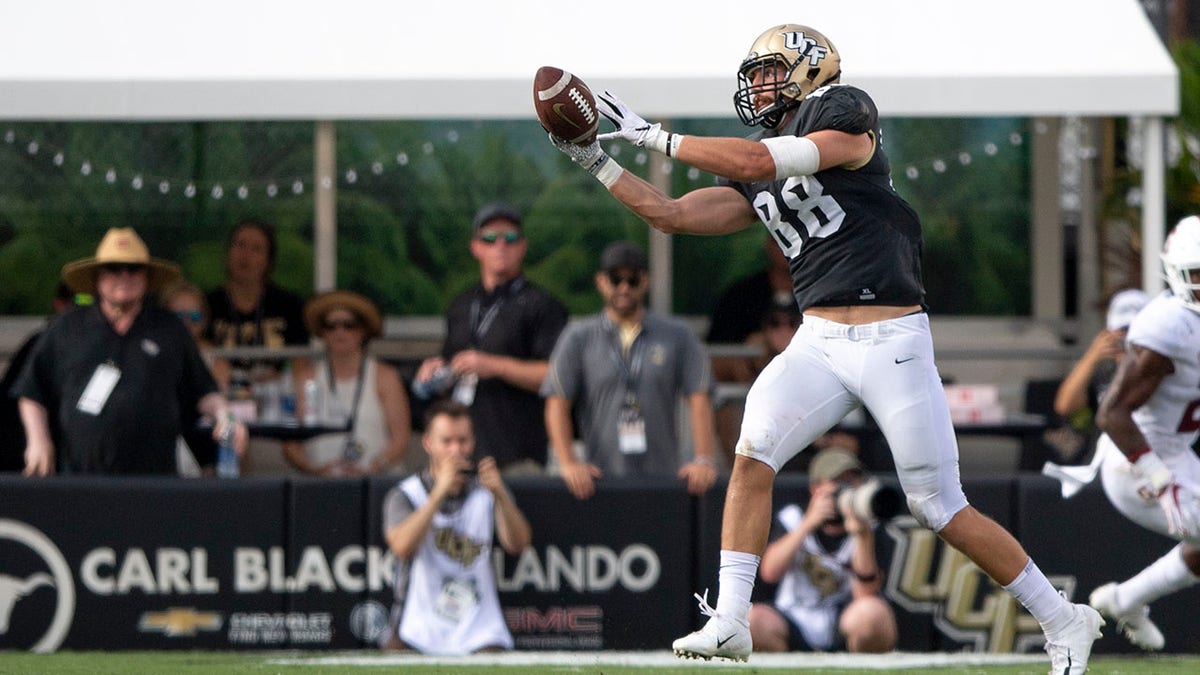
(830, 369)
(1121, 488)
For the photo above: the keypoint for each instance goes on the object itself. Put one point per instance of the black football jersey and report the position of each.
(849, 237)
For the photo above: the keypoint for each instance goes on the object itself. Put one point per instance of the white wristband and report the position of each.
(656, 138)
(608, 171)
(663, 141)
(793, 155)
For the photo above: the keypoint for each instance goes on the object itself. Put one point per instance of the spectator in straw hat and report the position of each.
(356, 390)
(108, 388)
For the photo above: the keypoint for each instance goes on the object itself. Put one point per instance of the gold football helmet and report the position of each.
(788, 61)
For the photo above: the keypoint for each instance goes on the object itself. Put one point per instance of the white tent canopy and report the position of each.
(358, 59)
(474, 59)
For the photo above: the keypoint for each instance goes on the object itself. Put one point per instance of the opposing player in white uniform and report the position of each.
(1150, 416)
(439, 525)
(817, 177)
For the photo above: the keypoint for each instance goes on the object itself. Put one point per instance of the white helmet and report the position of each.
(1181, 259)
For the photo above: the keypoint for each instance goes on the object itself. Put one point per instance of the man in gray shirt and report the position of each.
(623, 371)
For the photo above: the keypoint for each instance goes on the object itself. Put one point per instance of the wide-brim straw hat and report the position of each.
(320, 305)
(119, 245)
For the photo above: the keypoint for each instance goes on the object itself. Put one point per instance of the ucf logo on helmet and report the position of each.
(806, 46)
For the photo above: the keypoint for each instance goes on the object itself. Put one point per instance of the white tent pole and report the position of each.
(324, 206)
(659, 255)
(1153, 203)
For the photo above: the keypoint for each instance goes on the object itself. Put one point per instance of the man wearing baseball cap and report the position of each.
(499, 335)
(111, 386)
(829, 580)
(623, 372)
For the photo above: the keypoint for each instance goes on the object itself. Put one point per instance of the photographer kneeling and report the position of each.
(823, 558)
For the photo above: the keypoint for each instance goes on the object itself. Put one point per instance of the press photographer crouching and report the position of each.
(824, 561)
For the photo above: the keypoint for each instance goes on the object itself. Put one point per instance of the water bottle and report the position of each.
(436, 384)
(227, 458)
(464, 391)
(287, 397)
(312, 403)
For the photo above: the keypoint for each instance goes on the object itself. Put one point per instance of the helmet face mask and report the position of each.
(786, 62)
(1181, 262)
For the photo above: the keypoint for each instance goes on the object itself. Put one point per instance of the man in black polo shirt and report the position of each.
(109, 387)
(499, 336)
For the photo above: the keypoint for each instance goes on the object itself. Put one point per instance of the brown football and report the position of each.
(565, 106)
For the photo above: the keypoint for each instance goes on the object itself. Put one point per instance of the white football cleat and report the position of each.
(1134, 623)
(722, 637)
(1070, 651)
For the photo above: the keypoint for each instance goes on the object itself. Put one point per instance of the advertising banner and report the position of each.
(612, 572)
(120, 563)
(115, 563)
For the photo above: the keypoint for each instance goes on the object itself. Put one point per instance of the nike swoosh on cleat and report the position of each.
(721, 643)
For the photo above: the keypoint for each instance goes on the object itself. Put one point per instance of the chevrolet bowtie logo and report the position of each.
(179, 622)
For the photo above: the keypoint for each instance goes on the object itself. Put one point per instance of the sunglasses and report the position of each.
(190, 315)
(616, 279)
(344, 324)
(509, 237)
(117, 268)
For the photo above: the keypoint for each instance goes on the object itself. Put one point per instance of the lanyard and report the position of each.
(480, 325)
(631, 369)
(358, 387)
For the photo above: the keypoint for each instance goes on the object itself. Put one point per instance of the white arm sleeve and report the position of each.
(793, 155)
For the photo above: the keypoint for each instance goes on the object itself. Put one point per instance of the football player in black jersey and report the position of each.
(817, 177)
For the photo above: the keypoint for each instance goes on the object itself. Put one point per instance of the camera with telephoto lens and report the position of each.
(870, 501)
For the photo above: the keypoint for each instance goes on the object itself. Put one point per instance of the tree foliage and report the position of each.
(406, 193)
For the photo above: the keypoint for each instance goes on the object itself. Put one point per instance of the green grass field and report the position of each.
(365, 663)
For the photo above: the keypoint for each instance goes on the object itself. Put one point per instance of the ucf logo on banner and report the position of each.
(928, 577)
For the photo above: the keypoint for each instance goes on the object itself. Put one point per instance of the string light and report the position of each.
(350, 176)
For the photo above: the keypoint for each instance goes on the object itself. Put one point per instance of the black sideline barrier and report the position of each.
(103, 563)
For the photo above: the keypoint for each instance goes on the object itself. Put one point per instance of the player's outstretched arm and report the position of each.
(739, 159)
(711, 210)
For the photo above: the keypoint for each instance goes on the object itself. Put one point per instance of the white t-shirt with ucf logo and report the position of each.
(451, 605)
